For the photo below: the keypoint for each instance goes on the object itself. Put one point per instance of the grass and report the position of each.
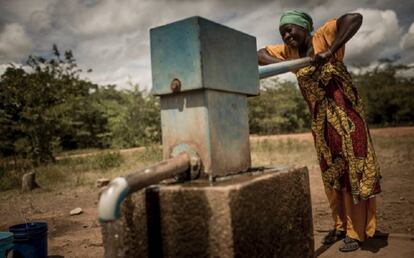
(77, 152)
(395, 153)
(389, 150)
(288, 152)
(76, 171)
(85, 170)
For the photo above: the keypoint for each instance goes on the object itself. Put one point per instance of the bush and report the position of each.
(387, 97)
(280, 108)
(107, 160)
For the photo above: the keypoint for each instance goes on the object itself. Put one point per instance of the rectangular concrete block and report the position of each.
(261, 214)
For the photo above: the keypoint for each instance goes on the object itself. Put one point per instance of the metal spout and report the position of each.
(112, 197)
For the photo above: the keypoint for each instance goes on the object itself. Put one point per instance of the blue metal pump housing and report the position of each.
(203, 72)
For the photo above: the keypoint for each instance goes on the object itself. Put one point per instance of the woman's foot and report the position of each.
(349, 245)
(333, 236)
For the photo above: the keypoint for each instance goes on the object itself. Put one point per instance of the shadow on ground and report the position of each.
(379, 241)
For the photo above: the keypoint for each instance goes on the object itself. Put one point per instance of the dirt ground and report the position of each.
(79, 236)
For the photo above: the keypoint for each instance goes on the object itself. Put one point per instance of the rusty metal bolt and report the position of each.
(175, 85)
(195, 166)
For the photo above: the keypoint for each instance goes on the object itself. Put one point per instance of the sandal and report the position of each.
(333, 236)
(349, 245)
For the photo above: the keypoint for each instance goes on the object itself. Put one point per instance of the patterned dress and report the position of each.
(342, 141)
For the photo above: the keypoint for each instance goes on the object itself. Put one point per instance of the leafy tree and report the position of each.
(280, 108)
(133, 117)
(42, 106)
(388, 98)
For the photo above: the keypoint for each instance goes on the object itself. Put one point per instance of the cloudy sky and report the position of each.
(112, 36)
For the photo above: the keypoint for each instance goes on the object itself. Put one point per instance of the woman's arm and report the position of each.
(346, 27)
(265, 58)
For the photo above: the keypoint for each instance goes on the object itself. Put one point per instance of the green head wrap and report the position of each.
(299, 18)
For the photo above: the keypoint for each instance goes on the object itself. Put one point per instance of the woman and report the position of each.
(349, 168)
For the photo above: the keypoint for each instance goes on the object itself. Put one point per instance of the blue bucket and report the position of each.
(30, 240)
(6, 243)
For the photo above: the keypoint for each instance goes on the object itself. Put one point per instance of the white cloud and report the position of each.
(122, 76)
(14, 43)
(407, 46)
(378, 37)
(3, 67)
(406, 73)
(105, 17)
(407, 41)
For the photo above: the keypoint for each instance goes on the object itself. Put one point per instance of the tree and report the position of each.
(387, 97)
(133, 117)
(280, 108)
(42, 106)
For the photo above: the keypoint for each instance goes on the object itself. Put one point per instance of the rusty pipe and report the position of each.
(112, 197)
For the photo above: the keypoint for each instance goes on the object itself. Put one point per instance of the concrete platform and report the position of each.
(382, 245)
(261, 214)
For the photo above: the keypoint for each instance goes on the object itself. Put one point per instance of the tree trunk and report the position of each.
(29, 182)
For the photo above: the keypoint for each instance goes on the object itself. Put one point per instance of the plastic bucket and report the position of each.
(6, 243)
(30, 240)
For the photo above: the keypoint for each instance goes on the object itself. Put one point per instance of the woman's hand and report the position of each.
(321, 58)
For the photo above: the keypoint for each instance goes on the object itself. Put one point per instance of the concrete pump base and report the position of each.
(257, 214)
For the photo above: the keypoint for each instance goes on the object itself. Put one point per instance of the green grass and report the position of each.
(294, 152)
(286, 152)
(395, 153)
(76, 171)
(77, 152)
